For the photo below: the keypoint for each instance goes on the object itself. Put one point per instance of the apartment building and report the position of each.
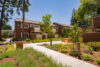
(32, 29)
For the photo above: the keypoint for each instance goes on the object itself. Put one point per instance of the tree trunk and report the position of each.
(23, 20)
(1, 19)
(50, 41)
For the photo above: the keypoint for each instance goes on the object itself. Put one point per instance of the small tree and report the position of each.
(46, 26)
(75, 33)
(65, 32)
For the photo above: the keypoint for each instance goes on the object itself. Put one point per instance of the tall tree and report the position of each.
(6, 10)
(73, 19)
(88, 9)
(22, 5)
(46, 26)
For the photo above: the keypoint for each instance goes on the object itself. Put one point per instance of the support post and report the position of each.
(78, 50)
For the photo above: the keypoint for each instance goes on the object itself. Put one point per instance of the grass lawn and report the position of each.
(25, 58)
(32, 58)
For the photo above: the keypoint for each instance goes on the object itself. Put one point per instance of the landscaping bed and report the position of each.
(9, 57)
(87, 54)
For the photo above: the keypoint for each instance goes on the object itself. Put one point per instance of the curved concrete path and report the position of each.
(59, 57)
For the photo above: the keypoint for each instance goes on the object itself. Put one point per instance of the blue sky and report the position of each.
(61, 10)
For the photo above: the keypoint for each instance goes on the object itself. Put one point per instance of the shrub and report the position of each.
(54, 47)
(2, 56)
(98, 60)
(73, 53)
(64, 50)
(95, 45)
(63, 47)
(1, 47)
(7, 64)
(10, 53)
(1, 50)
(57, 39)
(88, 49)
(5, 33)
(87, 57)
(27, 39)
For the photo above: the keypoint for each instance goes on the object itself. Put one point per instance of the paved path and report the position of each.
(59, 57)
(7, 40)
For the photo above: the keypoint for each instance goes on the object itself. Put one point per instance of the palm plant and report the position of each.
(22, 5)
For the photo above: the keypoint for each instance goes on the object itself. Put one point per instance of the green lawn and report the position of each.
(32, 58)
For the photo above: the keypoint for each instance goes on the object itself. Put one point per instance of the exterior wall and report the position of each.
(34, 31)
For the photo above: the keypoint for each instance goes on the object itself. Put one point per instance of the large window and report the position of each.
(26, 25)
(18, 24)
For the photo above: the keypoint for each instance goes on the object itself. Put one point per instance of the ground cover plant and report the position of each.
(29, 58)
(7, 64)
(9, 52)
(87, 52)
(87, 57)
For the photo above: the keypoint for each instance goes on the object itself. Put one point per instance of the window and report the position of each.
(26, 25)
(32, 25)
(26, 35)
(18, 24)
(36, 25)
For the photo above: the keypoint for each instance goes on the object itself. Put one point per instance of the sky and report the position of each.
(61, 11)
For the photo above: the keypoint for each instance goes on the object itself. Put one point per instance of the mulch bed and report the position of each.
(94, 55)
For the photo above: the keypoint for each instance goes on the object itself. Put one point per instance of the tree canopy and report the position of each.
(88, 9)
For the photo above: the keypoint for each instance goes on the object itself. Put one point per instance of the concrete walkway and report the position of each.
(7, 40)
(59, 57)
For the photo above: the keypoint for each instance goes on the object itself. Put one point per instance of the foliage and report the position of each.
(27, 39)
(75, 34)
(7, 64)
(88, 9)
(57, 39)
(29, 58)
(2, 56)
(40, 40)
(73, 53)
(65, 32)
(1, 49)
(88, 49)
(94, 45)
(63, 47)
(73, 19)
(22, 5)
(87, 57)
(98, 60)
(46, 26)
(45, 40)
(5, 33)
(54, 47)
(6, 27)
(64, 50)
(9, 53)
